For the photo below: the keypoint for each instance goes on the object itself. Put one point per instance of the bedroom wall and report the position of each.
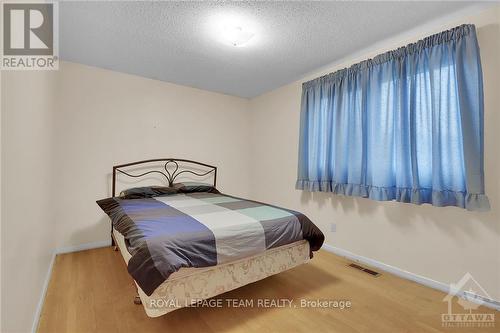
(438, 243)
(106, 118)
(27, 238)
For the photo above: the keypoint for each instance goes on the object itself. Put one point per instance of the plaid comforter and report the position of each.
(166, 233)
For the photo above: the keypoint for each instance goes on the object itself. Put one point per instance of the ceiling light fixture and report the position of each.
(236, 35)
(234, 29)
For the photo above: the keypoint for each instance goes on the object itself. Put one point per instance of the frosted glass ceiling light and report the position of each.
(236, 35)
(234, 29)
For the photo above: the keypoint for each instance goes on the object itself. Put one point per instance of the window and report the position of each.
(406, 125)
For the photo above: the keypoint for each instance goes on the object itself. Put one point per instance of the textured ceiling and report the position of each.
(175, 42)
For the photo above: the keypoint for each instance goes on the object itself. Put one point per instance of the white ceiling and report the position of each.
(175, 42)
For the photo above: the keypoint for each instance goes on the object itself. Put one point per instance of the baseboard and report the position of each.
(83, 247)
(45, 286)
(490, 303)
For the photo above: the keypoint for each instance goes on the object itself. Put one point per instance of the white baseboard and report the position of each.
(490, 303)
(45, 286)
(82, 247)
(67, 249)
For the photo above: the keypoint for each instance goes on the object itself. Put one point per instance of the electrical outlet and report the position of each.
(333, 227)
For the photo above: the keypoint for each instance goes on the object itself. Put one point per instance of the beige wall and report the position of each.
(437, 243)
(106, 118)
(28, 221)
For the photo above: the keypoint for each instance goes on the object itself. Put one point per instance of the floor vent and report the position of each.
(366, 270)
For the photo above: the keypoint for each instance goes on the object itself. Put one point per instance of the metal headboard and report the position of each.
(170, 176)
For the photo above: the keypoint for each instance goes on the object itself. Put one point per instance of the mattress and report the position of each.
(191, 285)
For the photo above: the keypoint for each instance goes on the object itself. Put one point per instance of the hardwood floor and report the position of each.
(91, 291)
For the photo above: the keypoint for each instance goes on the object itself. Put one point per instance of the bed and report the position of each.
(185, 242)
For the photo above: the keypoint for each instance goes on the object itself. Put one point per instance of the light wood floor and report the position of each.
(91, 291)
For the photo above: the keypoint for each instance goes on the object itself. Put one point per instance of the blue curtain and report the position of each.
(406, 125)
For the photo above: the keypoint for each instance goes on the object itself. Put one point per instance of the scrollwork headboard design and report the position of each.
(170, 175)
